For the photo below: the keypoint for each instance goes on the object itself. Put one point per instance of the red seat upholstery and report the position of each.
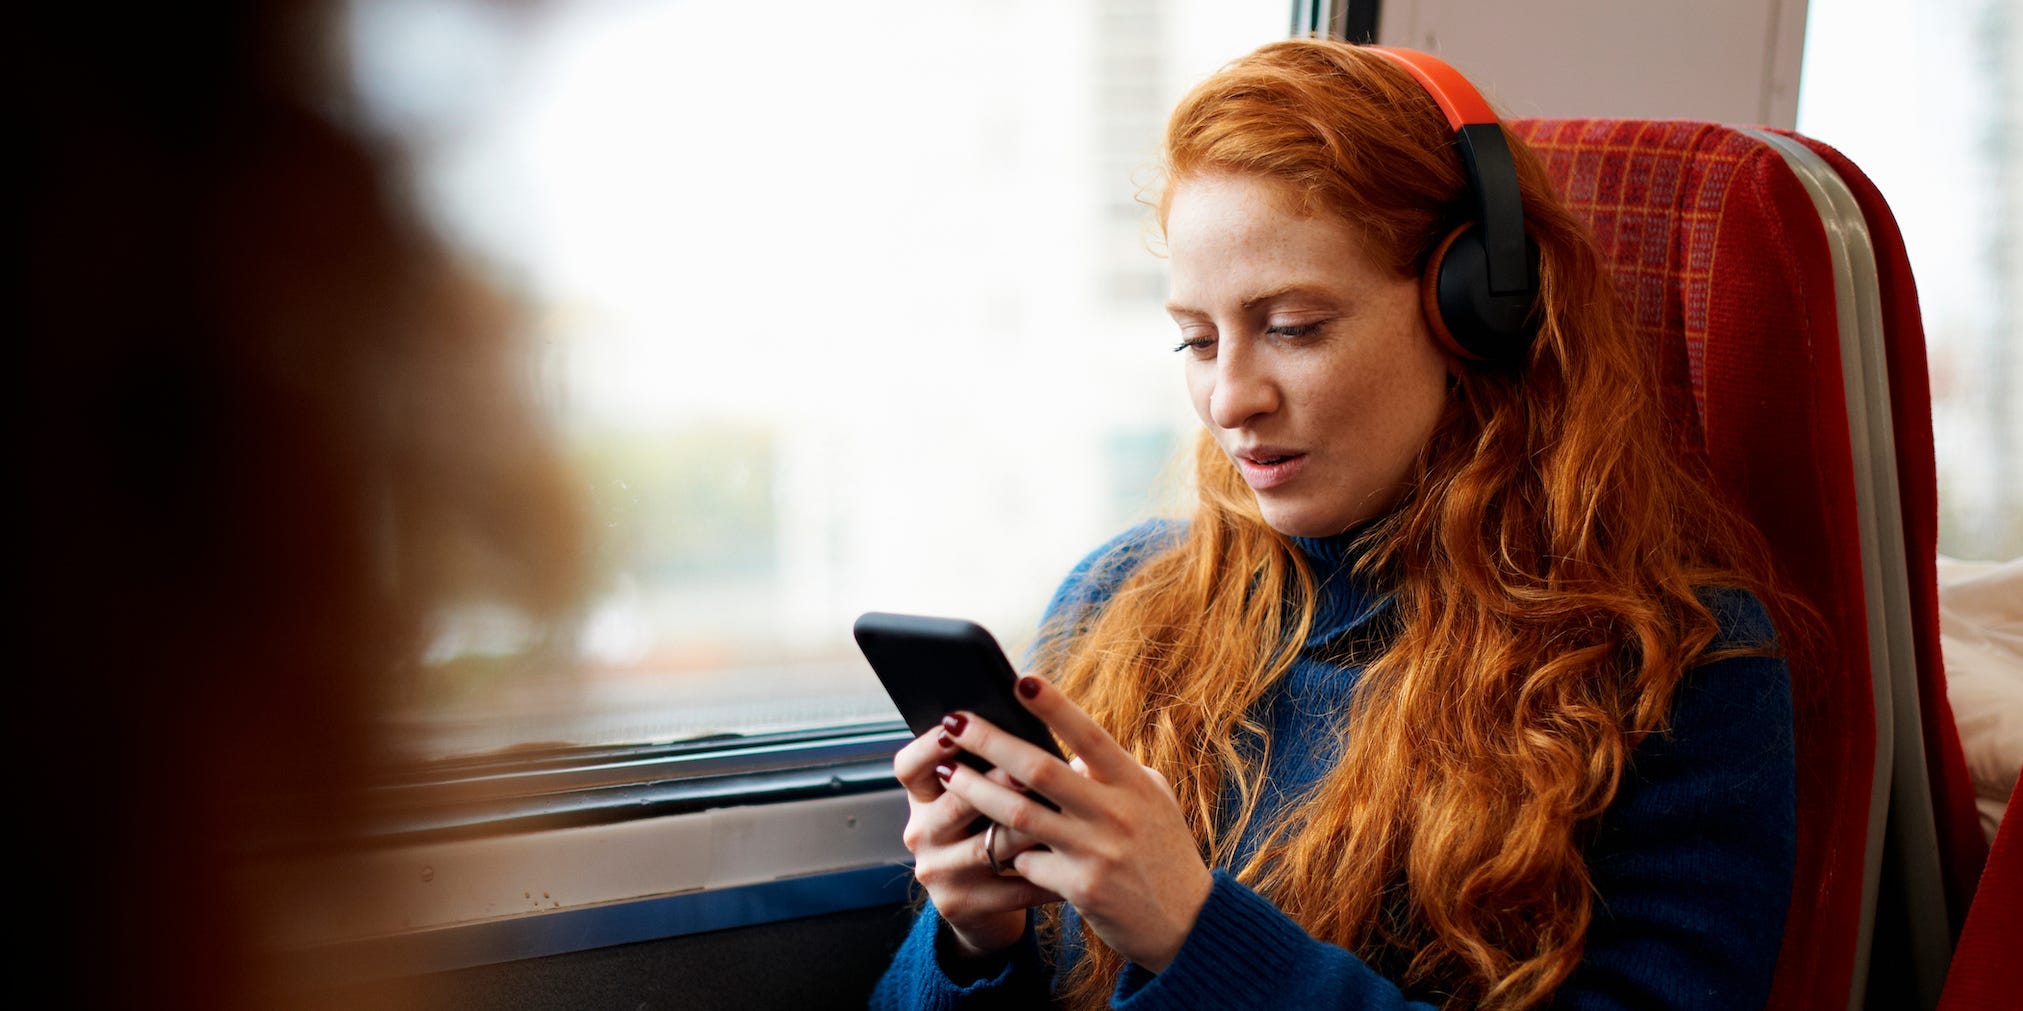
(1962, 846)
(1983, 975)
(1722, 260)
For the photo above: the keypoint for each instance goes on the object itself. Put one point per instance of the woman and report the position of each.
(1455, 689)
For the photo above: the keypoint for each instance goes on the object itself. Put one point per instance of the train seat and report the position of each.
(1983, 971)
(1790, 362)
(1963, 846)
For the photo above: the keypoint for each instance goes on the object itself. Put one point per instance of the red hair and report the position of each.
(1543, 567)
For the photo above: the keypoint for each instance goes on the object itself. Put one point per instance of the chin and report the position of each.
(1298, 523)
(1309, 519)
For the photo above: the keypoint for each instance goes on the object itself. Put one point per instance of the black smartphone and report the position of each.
(934, 666)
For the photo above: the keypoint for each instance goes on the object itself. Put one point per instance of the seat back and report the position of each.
(1724, 265)
(1962, 847)
(1983, 976)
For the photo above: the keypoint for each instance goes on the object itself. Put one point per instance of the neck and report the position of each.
(1344, 597)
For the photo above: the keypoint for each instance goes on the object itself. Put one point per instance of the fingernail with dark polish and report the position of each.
(1029, 687)
(944, 771)
(945, 741)
(955, 722)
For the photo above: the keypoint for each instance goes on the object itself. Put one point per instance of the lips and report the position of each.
(1266, 467)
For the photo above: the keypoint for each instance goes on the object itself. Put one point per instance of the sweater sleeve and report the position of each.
(1244, 952)
(1691, 865)
(919, 978)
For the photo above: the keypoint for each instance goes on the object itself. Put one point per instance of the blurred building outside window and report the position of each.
(1928, 99)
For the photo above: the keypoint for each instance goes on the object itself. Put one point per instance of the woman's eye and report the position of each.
(1291, 330)
(1198, 345)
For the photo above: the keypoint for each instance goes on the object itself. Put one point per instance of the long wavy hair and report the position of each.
(1542, 567)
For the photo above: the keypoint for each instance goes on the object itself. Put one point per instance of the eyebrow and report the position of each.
(1253, 301)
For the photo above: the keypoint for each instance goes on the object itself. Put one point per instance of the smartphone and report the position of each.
(934, 666)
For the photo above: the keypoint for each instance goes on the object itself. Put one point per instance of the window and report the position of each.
(1924, 98)
(847, 310)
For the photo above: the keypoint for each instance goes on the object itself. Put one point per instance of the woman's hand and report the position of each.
(1118, 848)
(985, 913)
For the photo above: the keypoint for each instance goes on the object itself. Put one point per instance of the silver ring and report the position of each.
(990, 849)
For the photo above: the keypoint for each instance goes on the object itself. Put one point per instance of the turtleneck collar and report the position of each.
(1346, 599)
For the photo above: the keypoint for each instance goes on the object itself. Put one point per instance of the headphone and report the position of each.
(1480, 288)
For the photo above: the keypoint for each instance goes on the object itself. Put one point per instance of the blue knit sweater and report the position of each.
(1691, 862)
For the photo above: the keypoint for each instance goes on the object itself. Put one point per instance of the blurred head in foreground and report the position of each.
(269, 429)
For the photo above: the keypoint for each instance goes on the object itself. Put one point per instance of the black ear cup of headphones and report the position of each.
(1468, 318)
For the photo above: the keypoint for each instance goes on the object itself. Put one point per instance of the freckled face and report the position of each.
(1309, 361)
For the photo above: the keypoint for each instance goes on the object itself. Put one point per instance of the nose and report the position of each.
(1245, 388)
